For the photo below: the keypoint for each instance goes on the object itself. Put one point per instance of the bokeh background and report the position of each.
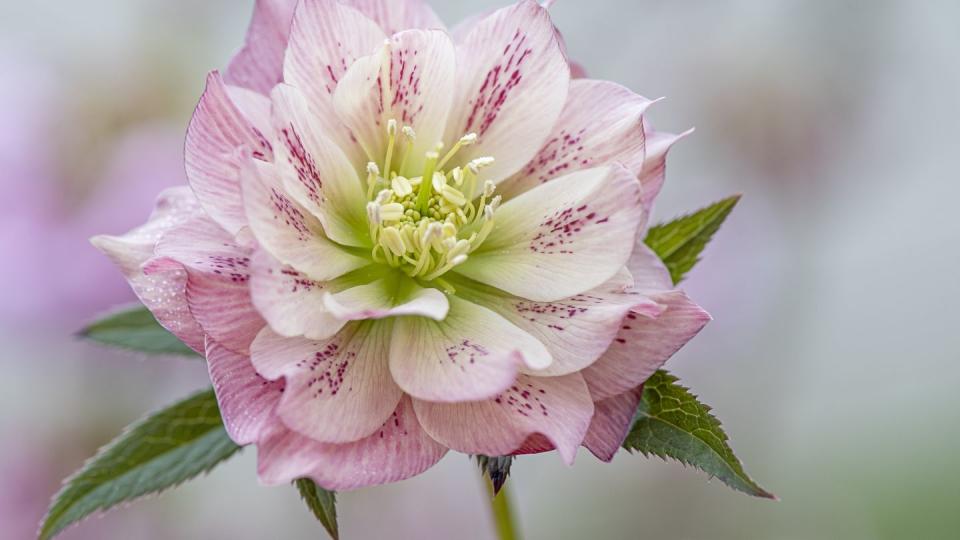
(834, 359)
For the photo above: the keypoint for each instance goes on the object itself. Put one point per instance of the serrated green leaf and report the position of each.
(497, 469)
(322, 503)
(136, 329)
(680, 242)
(671, 423)
(156, 453)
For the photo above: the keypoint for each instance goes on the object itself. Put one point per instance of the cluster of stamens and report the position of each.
(428, 224)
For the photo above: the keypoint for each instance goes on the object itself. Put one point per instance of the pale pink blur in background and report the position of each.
(833, 359)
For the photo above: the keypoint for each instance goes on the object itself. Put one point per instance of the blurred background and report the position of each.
(833, 362)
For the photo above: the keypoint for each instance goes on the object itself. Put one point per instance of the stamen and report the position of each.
(401, 186)
(425, 186)
(373, 174)
(466, 140)
(392, 137)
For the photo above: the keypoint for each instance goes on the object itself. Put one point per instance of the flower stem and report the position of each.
(502, 513)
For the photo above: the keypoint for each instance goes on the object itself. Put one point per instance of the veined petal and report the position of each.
(648, 271)
(217, 290)
(259, 64)
(658, 144)
(316, 172)
(409, 79)
(247, 400)
(557, 407)
(472, 354)
(162, 293)
(562, 238)
(644, 344)
(512, 79)
(612, 419)
(217, 139)
(325, 39)
(398, 450)
(576, 330)
(291, 302)
(337, 390)
(602, 123)
(397, 15)
(390, 296)
(287, 230)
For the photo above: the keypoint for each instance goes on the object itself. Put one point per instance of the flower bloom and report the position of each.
(400, 240)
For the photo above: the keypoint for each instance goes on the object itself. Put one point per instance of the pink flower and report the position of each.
(402, 240)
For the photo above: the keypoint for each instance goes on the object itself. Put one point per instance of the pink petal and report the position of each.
(247, 400)
(512, 79)
(658, 144)
(217, 289)
(289, 232)
(162, 293)
(218, 136)
(559, 408)
(291, 302)
(315, 171)
(338, 390)
(647, 269)
(611, 422)
(644, 345)
(472, 354)
(397, 15)
(259, 64)
(418, 93)
(576, 330)
(601, 123)
(563, 238)
(399, 450)
(326, 38)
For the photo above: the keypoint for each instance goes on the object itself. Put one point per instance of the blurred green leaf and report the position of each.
(497, 469)
(322, 503)
(136, 329)
(156, 453)
(670, 422)
(680, 242)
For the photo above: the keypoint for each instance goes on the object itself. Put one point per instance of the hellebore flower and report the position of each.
(400, 240)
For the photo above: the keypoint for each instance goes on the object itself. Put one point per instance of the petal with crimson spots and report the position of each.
(259, 64)
(644, 344)
(338, 390)
(559, 408)
(218, 137)
(472, 354)
(512, 79)
(563, 238)
(397, 15)
(398, 450)
(611, 422)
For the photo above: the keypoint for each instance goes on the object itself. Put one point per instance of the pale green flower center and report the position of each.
(427, 225)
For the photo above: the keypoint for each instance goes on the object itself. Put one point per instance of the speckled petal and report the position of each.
(259, 64)
(559, 408)
(397, 15)
(247, 400)
(611, 422)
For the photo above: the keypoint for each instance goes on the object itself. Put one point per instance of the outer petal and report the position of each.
(601, 123)
(218, 136)
(396, 15)
(658, 143)
(611, 422)
(562, 238)
(326, 38)
(316, 172)
(391, 296)
(287, 230)
(576, 330)
(162, 293)
(557, 407)
(644, 344)
(338, 390)
(291, 302)
(247, 400)
(472, 354)
(217, 275)
(409, 79)
(648, 271)
(512, 80)
(259, 64)
(399, 450)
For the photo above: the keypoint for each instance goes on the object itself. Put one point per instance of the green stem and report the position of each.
(502, 513)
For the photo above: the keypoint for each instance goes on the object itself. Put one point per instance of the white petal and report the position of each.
(562, 238)
(391, 296)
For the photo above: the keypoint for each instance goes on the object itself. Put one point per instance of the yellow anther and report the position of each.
(391, 212)
(401, 186)
(453, 196)
(392, 240)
